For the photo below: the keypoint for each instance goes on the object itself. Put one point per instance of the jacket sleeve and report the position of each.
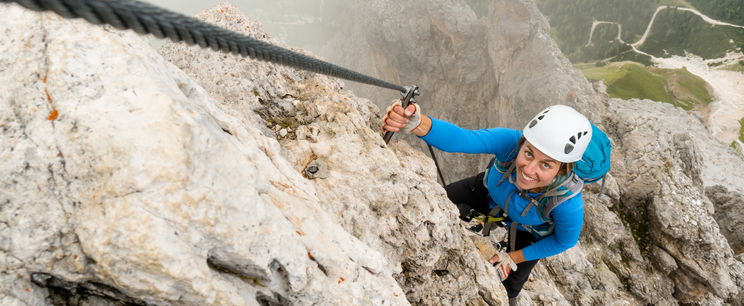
(568, 219)
(452, 138)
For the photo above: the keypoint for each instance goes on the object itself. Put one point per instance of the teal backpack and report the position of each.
(593, 166)
(595, 163)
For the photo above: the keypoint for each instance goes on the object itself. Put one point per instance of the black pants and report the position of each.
(470, 193)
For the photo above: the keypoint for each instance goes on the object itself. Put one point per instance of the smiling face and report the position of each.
(534, 169)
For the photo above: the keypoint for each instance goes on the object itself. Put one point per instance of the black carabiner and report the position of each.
(408, 97)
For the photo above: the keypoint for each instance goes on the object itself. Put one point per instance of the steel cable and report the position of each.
(145, 18)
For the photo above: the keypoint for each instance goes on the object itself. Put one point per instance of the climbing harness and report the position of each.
(145, 18)
(592, 167)
(566, 189)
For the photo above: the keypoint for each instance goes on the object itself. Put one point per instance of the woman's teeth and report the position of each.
(527, 178)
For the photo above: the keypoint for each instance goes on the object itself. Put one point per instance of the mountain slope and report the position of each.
(674, 27)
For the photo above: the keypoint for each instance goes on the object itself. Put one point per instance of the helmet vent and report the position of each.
(568, 148)
(560, 131)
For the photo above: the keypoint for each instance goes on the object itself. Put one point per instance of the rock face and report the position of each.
(479, 72)
(661, 232)
(654, 215)
(192, 177)
(663, 154)
(728, 214)
(125, 181)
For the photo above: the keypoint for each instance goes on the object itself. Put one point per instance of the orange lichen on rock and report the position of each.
(53, 115)
(341, 279)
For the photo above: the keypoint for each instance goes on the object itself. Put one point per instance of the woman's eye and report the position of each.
(527, 153)
(546, 166)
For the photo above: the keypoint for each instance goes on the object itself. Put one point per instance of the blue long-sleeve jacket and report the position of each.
(567, 217)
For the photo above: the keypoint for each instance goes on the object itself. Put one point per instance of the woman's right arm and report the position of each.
(447, 136)
(452, 138)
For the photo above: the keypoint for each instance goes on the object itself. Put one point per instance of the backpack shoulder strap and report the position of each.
(502, 167)
(505, 168)
(550, 200)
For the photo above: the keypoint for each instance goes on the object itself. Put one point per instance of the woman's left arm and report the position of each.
(568, 219)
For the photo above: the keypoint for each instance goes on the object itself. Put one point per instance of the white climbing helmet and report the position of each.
(560, 132)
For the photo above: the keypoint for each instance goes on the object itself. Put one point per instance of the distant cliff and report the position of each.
(493, 70)
(190, 177)
(662, 232)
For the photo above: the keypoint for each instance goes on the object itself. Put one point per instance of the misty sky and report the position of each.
(268, 12)
(191, 7)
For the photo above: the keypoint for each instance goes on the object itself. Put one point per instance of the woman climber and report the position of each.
(536, 163)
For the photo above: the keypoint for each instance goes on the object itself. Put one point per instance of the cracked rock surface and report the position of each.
(497, 67)
(663, 231)
(129, 180)
(190, 177)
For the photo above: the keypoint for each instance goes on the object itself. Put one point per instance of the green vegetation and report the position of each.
(731, 11)
(690, 34)
(627, 80)
(636, 221)
(573, 21)
(674, 32)
(679, 3)
(739, 66)
(632, 56)
(630, 80)
(604, 44)
(480, 7)
(737, 145)
(689, 90)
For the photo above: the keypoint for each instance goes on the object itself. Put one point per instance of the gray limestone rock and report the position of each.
(662, 185)
(728, 207)
(192, 177)
(478, 72)
(415, 228)
(654, 166)
(130, 180)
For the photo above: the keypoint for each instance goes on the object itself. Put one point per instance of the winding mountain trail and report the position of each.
(651, 23)
(723, 114)
(596, 23)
